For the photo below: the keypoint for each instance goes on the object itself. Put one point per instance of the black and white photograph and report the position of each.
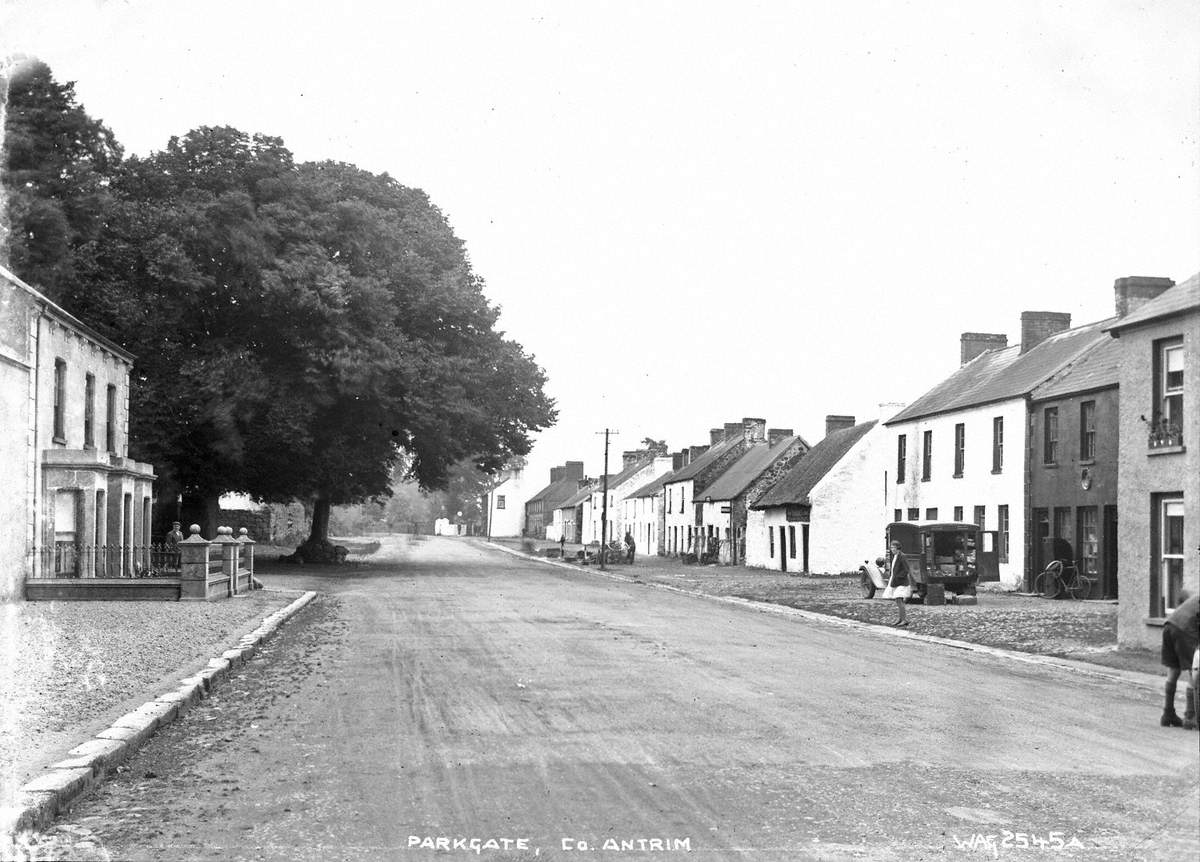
(599, 430)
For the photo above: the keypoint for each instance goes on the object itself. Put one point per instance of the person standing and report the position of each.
(630, 547)
(1180, 638)
(898, 587)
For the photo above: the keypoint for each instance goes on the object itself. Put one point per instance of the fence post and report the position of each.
(229, 556)
(193, 566)
(247, 555)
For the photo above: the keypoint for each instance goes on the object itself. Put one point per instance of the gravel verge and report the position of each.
(72, 668)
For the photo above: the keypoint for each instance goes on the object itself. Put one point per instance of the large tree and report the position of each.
(56, 168)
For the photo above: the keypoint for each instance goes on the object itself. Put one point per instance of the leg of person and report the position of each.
(1170, 718)
(902, 620)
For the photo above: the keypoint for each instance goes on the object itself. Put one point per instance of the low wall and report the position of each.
(102, 589)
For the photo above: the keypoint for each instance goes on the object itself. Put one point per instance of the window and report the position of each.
(1167, 427)
(669, 501)
(931, 514)
(771, 539)
(1089, 541)
(1002, 528)
(1087, 431)
(110, 423)
(960, 448)
(898, 515)
(1050, 435)
(1062, 524)
(981, 517)
(926, 456)
(89, 411)
(914, 514)
(792, 542)
(499, 501)
(997, 444)
(60, 400)
(1168, 550)
(958, 513)
(901, 457)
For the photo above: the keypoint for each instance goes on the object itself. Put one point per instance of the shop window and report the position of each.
(1088, 551)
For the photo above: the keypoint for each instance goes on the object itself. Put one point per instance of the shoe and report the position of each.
(1189, 723)
(1170, 719)
(901, 624)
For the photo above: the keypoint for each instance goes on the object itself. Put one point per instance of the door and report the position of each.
(783, 550)
(987, 557)
(1108, 572)
(804, 540)
(1041, 532)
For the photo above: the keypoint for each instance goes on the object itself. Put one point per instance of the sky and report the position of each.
(695, 212)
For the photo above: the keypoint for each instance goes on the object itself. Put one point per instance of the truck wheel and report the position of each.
(866, 585)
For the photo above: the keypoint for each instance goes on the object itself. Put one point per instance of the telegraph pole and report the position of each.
(604, 501)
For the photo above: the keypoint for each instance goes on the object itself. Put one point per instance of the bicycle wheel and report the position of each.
(1049, 583)
(1081, 586)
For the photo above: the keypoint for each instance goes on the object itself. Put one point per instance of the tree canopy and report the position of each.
(297, 326)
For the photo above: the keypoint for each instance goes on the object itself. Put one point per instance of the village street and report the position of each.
(461, 702)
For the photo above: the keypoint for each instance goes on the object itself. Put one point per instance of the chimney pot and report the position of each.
(1134, 291)
(775, 435)
(837, 422)
(1037, 326)
(975, 343)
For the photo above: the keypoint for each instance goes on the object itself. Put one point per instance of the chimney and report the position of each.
(834, 422)
(1136, 290)
(1037, 326)
(628, 459)
(573, 470)
(755, 431)
(775, 435)
(557, 474)
(716, 435)
(975, 343)
(733, 431)
(695, 452)
(584, 483)
(678, 459)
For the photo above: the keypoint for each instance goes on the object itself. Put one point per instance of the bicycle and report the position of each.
(1058, 578)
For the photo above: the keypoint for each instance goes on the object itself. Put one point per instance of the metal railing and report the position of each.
(71, 560)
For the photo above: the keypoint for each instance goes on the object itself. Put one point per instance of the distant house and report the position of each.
(568, 516)
(826, 513)
(637, 468)
(1159, 462)
(960, 450)
(539, 509)
(643, 510)
(722, 505)
(506, 504)
(683, 530)
(75, 505)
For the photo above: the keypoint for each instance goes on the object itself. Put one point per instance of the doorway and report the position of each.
(783, 549)
(1108, 572)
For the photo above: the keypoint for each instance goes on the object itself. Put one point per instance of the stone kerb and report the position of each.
(193, 566)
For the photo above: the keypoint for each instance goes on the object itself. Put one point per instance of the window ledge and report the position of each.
(956, 476)
(926, 479)
(1087, 462)
(997, 472)
(1166, 450)
(1155, 621)
(1050, 465)
(57, 439)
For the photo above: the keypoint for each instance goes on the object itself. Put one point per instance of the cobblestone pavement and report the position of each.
(1084, 631)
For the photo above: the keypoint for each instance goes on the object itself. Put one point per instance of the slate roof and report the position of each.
(742, 473)
(1184, 296)
(689, 471)
(651, 488)
(1096, 368)
(997, 375)
(581, 495)
(797, 483)
(628, 472)
(556, 492)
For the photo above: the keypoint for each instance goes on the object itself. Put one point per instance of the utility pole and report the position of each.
(604, 501)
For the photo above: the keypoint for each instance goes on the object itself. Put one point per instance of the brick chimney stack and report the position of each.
(754, 431)
(696, 452)
(836, 422)
(975, 343)
(574, 470)
(1037, 326)
(775, 435)
(1134, 291)
(733, 431)
(631, 457)
(715, 436)
(678, 459)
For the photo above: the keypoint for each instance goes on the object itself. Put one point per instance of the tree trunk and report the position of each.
(200, 509)
(320, 520)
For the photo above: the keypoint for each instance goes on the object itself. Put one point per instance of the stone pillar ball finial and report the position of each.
(224, 531)
(243, 532)
(194, 529)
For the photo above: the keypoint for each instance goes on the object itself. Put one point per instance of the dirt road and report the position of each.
(462, 703)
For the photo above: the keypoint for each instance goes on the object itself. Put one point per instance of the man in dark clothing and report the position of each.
(630, 547)
(1180, 638)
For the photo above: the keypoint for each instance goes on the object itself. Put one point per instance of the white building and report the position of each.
(958, 453)
(75, 505)
(506, 504)
(826, 514)
(638, 468)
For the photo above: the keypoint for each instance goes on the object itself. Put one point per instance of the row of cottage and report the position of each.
(1043, 442)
